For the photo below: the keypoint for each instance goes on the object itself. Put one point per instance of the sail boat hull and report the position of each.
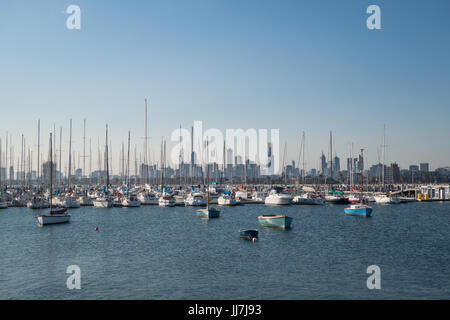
(208, 213)
(273, 221)
(53, 219)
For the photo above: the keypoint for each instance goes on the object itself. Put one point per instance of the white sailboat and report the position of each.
(105, 200)
(58, 215)
(208, 212)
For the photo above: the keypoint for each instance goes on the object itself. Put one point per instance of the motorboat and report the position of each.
(308, 199)
(276, 198)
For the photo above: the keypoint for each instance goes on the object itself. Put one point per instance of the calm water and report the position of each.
(169, 253)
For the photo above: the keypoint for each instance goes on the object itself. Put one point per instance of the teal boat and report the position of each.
(275, 221)
(208, 213)
(359, 210)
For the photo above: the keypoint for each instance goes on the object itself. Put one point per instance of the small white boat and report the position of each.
(195, 199)
(38, 203)
(258, 197)
(3, 205)
(241, 195)
(103, 202)
(166, 201)
(308, 199)
(147, 198)
(226, 200)
(69, 202)
(85, 201)
(275, 198)
(131, 201)
(385, 199)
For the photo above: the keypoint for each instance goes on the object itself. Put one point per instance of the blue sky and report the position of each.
(293, 65)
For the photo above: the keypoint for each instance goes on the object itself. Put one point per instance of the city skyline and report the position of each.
(300, 74)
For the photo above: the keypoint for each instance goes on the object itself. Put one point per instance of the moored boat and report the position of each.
(276, 221)
(275, 198)
(226, 200)
(359, 210)
(208, 213)
(58, 215)
(250, 234)
(308, 199)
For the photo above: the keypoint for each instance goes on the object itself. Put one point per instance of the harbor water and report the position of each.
(169, 253)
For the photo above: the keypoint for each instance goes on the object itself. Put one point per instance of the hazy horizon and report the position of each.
(290, 65)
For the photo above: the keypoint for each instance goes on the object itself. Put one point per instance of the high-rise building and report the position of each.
(388, 176)
(323, 161)
(413, 168)
(349, 165)
(395, 172)
(270, 169)
(336, 164)
(424, 167)
(46, 172)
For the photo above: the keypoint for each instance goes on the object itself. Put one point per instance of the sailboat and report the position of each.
(129, 200)
(166, 199)
(360, 209)
(3, 203)
(208, 212)
(105, 201)
(58, 215)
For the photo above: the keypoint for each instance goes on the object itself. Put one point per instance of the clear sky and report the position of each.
(293, 65)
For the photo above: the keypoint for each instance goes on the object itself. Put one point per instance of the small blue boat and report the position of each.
(359, 210)
(275, 221)
(250, 234)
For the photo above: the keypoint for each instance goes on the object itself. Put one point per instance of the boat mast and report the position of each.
(60, 155)
(70, 155)
(128, 161)
(122, 162)
(90, 158)
(51, 174)
(6, 160)
(38, 151)
(180, 157)
(162, 167)
(384, 155)
(1, 156)
(106, 158)
(362, 174)
(146, 147)
(192, 156)
(224, 164)
(284, 164)
(303, 157)
(331, 156)
(207, 174)
(84, 147)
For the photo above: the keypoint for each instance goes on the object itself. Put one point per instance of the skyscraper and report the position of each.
(336, 164)
(424, 167)
(323, 161)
